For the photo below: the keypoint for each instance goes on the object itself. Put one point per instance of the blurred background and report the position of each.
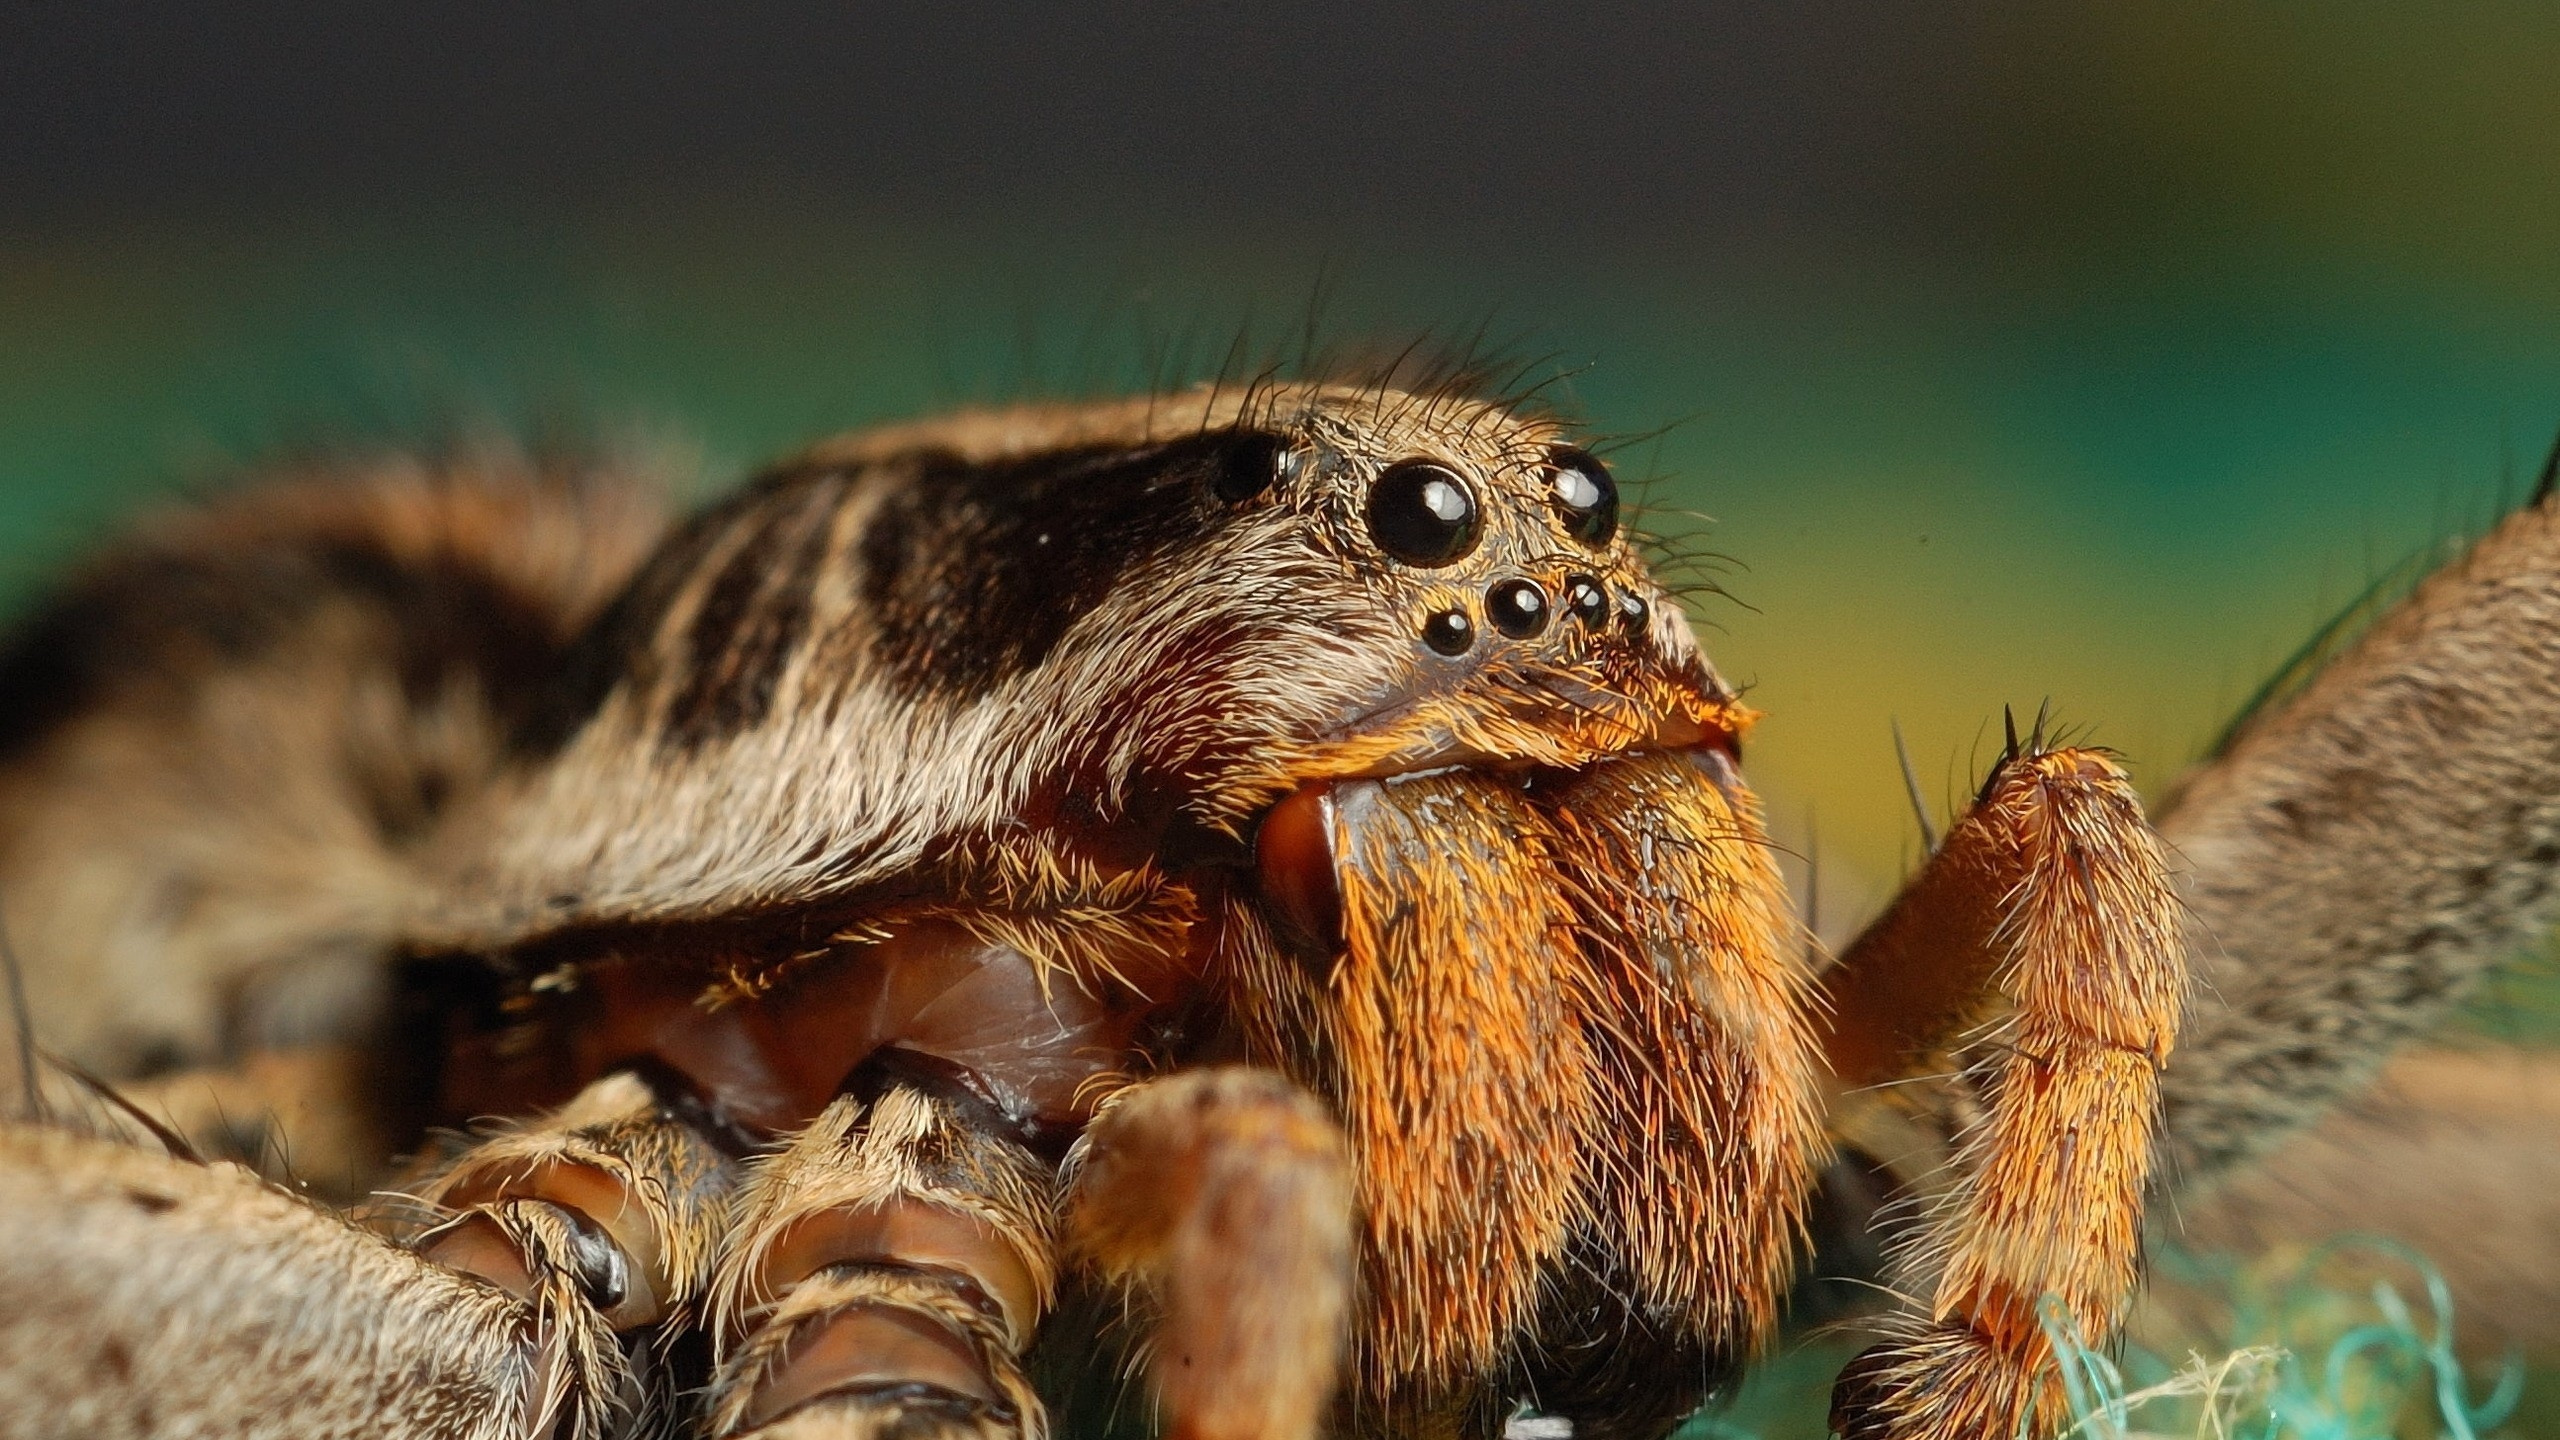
(2090, 354)
(2081, 353)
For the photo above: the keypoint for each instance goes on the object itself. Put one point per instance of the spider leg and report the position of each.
(144, 1280)
(2454, 1151)
(141, 1292)
(601, 1217)
(882, 1274)
(1225, 1197)
(2360, 852)
(2038, 960)
(303, 1115)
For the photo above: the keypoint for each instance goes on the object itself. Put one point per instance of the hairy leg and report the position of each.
(307, 1115)
(882, 1275)
(2030, 978)
(601, 1216)
(1223, 1198)
(144, 1295)
(2361, 851)
(144, 1291)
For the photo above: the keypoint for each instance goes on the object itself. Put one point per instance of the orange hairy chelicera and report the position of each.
(1251, 887)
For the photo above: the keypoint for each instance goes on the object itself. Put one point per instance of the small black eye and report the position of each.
(1518, 608)
(1450, 632)
(1423, 514)
(1633, 610)
(1586, 599)
(1587, 496)
(1248, 468)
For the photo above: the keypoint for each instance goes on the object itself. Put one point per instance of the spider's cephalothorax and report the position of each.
(1270, 867)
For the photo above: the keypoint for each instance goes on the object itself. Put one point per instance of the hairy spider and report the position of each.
(1252, 883)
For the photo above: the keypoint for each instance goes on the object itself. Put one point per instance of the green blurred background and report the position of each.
(2018, 353)
(2083, 355)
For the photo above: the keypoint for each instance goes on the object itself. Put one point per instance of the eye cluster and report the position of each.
(1425, 513)
(1522, 609)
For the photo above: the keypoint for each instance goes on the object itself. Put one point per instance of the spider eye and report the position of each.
(1587, 496)
(1424, 514)
(1249, 467)
(1518, 607)
(1451, 632)
(1584, 597)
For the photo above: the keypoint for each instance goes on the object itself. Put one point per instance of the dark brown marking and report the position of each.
(145, 626)
(975, 572)
(754, 615)
(617, 649)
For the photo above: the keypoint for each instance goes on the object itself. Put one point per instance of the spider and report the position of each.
(1253, 884)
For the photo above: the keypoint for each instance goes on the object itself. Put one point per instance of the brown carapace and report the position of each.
(1253, 884)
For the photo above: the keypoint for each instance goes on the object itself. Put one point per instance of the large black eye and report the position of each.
(1423, 514)
(1586, 495)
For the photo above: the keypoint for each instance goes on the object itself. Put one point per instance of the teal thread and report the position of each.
(2374, 1369)
(2329, 1347)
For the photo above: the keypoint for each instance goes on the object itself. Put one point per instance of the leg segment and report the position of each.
(600, 1217)
(2049, 902)
(142, 1295)
(1224, 1197)
(882, 1275)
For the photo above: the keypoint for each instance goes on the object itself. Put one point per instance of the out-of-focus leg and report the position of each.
(143, 1295)
(1224, 1199)
(2456, 1151)
(2366, 847)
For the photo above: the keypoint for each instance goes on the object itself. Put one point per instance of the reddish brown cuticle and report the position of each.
(872, 1347)
(476, 1246)
(1293, 855)
(601, 1198)
(770, 1062)
(909, 1233)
